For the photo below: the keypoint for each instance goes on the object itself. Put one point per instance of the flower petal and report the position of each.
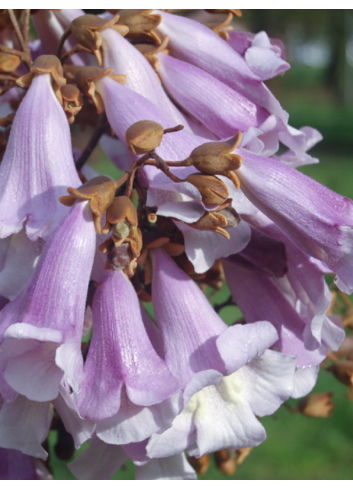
(24, 425)
(38, 166)
(171, 468)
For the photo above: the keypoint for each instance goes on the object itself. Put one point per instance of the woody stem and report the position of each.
(162, 165)
(92, 143)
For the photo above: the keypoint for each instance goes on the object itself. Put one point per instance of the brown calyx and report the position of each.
(316, 405)
(86, 30)
(223, 218)
(86, 79)
(216, 158)
(144, 136)
(141, 24)
(72, 101)
(200, 465)
(222, 28)
(150, 52)
(100, 191)
(9, 62)
(46, 64)
(343, 371)
(211, 188)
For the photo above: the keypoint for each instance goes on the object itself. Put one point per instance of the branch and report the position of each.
(98, 133)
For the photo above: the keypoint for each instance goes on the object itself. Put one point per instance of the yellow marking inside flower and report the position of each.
(227, 390)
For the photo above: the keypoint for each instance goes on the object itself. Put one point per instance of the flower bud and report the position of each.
(316, 406)
(9, 62)
(226, 461)
(200, 465)
(343, 371)
(216, 157)
(144, 136)
(212, 189)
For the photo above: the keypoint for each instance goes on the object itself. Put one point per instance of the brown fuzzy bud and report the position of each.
(346, 347)
(46, 64)
(211, 188)
(86, 78)
(86, 30)
(141, 24)
(100, 191)
(200, 465)
(144, 136)
(218, 221)
(9, 62)
(216, 158)
(316, 406)
(225, 461)
(343, 371)
(72, 101)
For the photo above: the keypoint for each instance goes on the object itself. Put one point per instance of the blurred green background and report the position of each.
(317, 92)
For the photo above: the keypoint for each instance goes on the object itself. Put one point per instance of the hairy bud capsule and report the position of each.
(316, 406)
(211, 188)
(216, 158)
(144, 136)
(200, 465)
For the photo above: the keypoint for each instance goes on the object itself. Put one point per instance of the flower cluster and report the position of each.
(181, 108)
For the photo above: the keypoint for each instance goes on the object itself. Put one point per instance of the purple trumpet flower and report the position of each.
(41, 329)
(37, 166)
(264, 58)
(261, 297)
(127, 386)
(221, 109)
(101, 461)
(14, 465)
(317, 219)
(182, 200)
(217, 365)
(195, 43)
(241, 41)
(306, 288)
(18, 258)
(125, 59)
(24, 425)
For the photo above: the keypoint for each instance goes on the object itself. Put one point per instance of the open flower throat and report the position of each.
(204, 201)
